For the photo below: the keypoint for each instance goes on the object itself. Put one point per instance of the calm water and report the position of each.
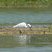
(23, 15)
(27, 49)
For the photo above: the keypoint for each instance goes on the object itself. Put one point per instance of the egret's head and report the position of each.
(29, 25)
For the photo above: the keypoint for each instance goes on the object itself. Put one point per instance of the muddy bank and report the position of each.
(12, 31)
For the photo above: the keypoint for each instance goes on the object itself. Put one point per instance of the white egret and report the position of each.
(22, 25)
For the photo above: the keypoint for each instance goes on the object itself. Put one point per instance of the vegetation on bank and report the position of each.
(27, 31)
(6, 29)
(25, 3)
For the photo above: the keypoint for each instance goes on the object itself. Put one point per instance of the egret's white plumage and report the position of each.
(23, 24)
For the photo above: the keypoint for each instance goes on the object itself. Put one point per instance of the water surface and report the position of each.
(15, 16)
(23, 15)
(27, 49)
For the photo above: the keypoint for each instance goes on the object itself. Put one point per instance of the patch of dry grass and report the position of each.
(13, 31)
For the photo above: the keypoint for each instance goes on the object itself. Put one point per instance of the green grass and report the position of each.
(37, 45)
(26, 3)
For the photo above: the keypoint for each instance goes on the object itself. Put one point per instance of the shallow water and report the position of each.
(22, 15)
(30, 16)
(27, 49)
